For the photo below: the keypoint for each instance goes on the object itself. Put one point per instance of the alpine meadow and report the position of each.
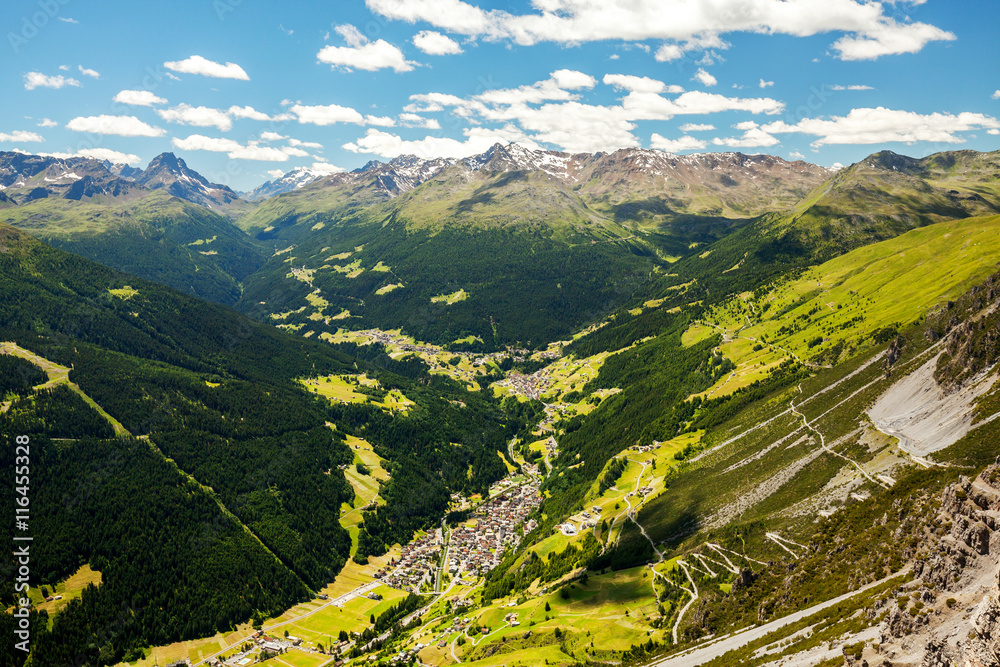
(658, 333)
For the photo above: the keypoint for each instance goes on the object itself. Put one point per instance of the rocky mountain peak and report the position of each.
(25, 178)
(893, 161)
(168, 172)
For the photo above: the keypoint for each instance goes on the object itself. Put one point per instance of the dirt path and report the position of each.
(718, 550)
(630, 511)
(780, 541)
(736, 553)
(59, 375)
(704, 560)
(625, 512)
(694, 596)
(822, 443)
(721, 645)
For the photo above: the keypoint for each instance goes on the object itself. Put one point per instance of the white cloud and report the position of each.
(684, 143)
(477, 140)
(557, 87)
(64, 68)
(326, 168)
(427, 102)
(995, 95)
(271, 136)
(881, 125)
(139, 98)
(112, 156)
(415, 120)
(545, 113)
(576, 127)
(889, 38)
(275, 173)
(639, 84)
(294, 152)
(685, 26)
(752, 137)
(327, 115)
(47, 122)
(669, 53)
(20, 135)
(89, 72)
(795, 155)
(247, 112)
(701, 42)
(641, 106)
(451, 15)
(765, 84)
(306, 144)
(259, 153)
(186, 114)
(123, 126)
(34, 80)
(435, 44)
(851, 87)
(199, 142)
(233, 149)
(364, 55)
(696, 127)
(704, 77)
(66, 19)
(570, 79)
(380, 121)
(351, 35)
(205, 67)
(993, 131)
(209, 117)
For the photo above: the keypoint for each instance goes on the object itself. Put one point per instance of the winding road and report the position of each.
(722, 645)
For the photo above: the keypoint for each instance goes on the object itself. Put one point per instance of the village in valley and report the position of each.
(473, 547)
(444, 565)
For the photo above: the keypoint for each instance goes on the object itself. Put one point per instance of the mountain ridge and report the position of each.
(39, 177)
(405, 172)
(171, 227)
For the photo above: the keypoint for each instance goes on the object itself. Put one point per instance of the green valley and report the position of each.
(496, 418)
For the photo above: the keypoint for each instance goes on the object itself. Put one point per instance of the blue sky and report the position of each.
(244, 90)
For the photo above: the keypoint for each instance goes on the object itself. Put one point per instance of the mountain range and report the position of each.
(513, 212)
(747, 406)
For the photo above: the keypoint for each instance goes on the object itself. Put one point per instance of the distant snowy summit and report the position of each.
(404, 173)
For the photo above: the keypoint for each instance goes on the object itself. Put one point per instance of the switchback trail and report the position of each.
(722, 645)
(822, 443)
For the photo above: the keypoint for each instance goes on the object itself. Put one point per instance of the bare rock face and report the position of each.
(938, 654)
(972, 507)
(983, 647)
(744, 579)
(897, 624)
(895, 349)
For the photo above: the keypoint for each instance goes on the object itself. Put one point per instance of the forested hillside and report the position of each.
(151, 235)
(234, 484)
